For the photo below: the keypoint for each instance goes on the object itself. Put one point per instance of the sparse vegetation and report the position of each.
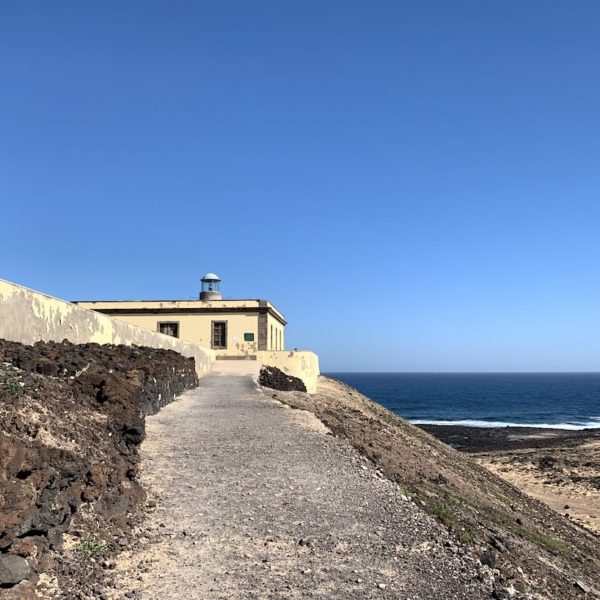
(405, 492)
(453, 520)
(11, 387)
(466, 535)
(444, 515)
(91, 547)
(552, 544)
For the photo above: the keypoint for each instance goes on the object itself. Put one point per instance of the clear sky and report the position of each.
(414, 184)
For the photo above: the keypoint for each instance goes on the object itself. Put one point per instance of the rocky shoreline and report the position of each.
(490, 439)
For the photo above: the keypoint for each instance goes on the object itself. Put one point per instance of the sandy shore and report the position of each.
(558, 467)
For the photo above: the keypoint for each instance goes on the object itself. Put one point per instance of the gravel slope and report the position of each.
(535, 552)
(255, 500)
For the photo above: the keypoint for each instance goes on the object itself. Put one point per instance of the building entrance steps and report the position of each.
(240, 368)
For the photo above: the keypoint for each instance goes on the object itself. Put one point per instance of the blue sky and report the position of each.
(415, 185)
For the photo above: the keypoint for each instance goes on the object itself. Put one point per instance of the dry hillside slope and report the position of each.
(535, 550)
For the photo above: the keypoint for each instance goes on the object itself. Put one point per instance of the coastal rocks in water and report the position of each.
(274, 378)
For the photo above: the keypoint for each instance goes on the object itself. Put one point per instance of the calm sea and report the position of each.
(561, 400)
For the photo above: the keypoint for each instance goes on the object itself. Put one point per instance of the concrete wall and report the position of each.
(302, 364)
(28, 316)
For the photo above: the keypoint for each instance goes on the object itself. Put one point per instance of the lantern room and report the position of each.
(211, 287)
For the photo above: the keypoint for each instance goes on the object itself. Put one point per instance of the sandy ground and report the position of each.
(250, 499)
(566, 478)
(559, 467)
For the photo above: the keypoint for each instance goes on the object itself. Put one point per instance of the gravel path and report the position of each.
(256, 500)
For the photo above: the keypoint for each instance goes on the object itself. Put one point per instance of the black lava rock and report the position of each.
(274, 378)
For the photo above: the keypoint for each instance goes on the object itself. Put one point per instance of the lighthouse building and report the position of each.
(232, 328)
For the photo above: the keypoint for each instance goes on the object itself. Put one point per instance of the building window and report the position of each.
(169, 328)
(271, 345)
(248, 337)
(219, 335)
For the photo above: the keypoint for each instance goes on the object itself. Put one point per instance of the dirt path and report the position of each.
(256, 500)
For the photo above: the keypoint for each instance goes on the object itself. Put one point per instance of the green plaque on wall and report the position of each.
(248, 337)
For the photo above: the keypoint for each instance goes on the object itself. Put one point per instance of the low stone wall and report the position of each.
(28, 316)
(298, 363)
(71, 424)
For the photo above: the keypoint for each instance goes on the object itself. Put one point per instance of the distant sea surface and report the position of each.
(546, 400)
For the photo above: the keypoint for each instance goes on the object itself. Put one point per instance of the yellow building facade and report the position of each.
(232, 328)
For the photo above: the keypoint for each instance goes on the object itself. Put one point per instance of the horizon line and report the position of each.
(469, 372)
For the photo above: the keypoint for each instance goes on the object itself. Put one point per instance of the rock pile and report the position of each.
(71, 422)
(274, 378)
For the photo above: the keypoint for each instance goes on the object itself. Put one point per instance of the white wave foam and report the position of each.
(595, 424)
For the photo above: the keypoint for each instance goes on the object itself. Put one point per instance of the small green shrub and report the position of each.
(466, 535)
(444, 515)
(12, 387)
(405, 492)
(91, 547)
(449, 513)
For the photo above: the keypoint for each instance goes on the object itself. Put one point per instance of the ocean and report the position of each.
(546, 400)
